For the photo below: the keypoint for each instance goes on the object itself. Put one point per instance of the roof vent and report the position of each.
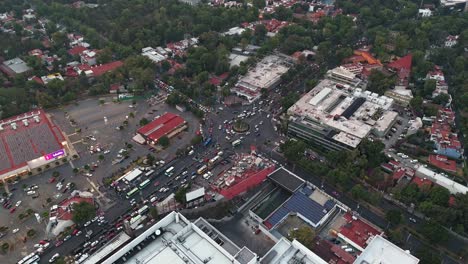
(37, 119)
(25, 122)
(13, 126)
(1, 127)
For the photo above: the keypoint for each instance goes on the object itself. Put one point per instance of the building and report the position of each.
(451, 41)
(61, 215)
(285, 252)
(445, 140)
(29, 142)
(336, 116)
(442, 162)
(346, 77)
(291, 199)
(451, 3)
(168, 124)
(381, 250)
(425, 12)
(48, 78)
(441, 180)
(175, 240)
(265, 75)
(155, 55)
(190, 2)
(96, 70)
(14, 66)
(89, 57)
(402, 68)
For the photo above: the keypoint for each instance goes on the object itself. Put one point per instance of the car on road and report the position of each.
(156, 183)
(14, 231)
(52, 179)
(412, 220)
(58, 243)
(87, 224)
(336, 194)
(67, 238)
(18, 203)
(54, 257)
(12, 210)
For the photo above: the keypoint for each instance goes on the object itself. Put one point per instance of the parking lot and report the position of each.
(97, 119)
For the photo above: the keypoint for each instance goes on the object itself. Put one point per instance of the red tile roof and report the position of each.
(443, 162)
(76, 50)
(342, 254)
(399, 173)
(248, 181)
(64, 210)
(101, 69)
(358, 231)
(217, 80)
(421, 182)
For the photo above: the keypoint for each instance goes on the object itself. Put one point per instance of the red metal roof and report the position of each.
(247, 183)
(161, 126)
(443, 162)
(402, 63)
(399, 173)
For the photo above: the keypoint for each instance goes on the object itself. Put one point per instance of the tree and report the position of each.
(303, 234)
(434, 232)
(439, 195)
(394, 217)
(55, 174)
(259, 4)
(164, 141)
(83, 212)
(101, 157)
(196, 140)
(429, 87)
(153, 211)
(441, 99)
(144, 121)
(293, 150)
(379, 82)
(416, 103)
(179, 196)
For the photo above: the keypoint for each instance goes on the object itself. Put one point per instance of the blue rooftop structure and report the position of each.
(304, 206)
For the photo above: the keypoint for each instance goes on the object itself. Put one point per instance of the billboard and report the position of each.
(54, 154)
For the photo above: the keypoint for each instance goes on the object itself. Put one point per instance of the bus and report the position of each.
(31, 258)
(149, 173)
(132, 193)
(214, 160)
(202, 169)
(144, 184)
(143, 210)
(135, 219)
(236, 143)
(169, 172)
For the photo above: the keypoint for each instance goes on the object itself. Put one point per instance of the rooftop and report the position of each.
(286, 179)
(161, 126)
(348, 111)
(443, 162)
(381, 250)
(285, 252)
(358, 232)
(452, 186)
(310, 204)
(15, 66)
(27, 137)
(176, 240)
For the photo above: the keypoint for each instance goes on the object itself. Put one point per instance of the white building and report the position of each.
(439, 179)
(338, 116)
(155, 55)
(451, 41)
(382, 251)
(425, 12)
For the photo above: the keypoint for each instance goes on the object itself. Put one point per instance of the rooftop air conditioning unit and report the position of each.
(13, 126)
(25, 122)
(37, 119)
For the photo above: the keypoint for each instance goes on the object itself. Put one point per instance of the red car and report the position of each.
(43, 242)
(12, 210)
(75, 231)
(52, 179)
(59, 243)
(156, 183)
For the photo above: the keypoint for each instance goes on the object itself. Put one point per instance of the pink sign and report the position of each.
(54, 154)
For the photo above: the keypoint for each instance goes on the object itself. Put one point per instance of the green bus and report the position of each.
(132, 193)
(144, 184)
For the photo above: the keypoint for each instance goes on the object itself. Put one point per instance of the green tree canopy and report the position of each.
(83, 212)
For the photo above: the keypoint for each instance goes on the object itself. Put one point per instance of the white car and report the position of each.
(87, 224)
(18, 203)
(14, 231)
(54, 257)
(414, 161)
